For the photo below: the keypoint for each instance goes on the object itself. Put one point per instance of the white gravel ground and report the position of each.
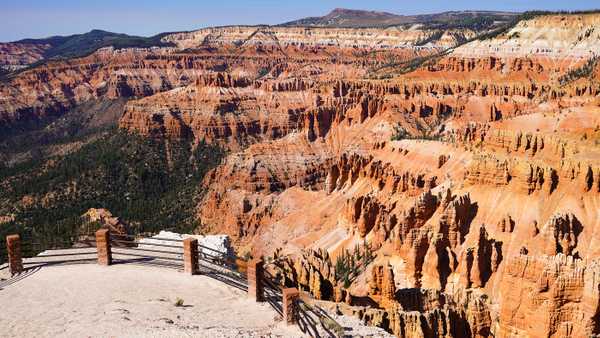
(130, 301)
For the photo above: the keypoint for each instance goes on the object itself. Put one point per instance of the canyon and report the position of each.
(457, 169)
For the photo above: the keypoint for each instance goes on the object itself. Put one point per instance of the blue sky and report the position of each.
(40, 18)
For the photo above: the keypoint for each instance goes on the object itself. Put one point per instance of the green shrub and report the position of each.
(349, 265)
(584, 71)
(431, 38)
(401, 134)
(332, 325)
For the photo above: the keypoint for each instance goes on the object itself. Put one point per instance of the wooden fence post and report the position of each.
(15, 258)
(190, 256)
(255, 272)
(103, 247)
(290, 305)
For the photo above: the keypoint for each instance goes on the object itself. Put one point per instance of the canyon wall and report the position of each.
(467, 177)
(472, 181)
(380, 38)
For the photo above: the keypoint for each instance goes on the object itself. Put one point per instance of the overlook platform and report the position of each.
(125, 300)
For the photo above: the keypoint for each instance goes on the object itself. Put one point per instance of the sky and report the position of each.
(42, 18)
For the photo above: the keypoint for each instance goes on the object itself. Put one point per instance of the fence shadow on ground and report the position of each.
(19, 277)
(147, 261)
(273, 297)
(223, 278)
(311, 319)
(306, 314)
(307, 324)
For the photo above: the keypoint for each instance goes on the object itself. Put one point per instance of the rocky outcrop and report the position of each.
(312, 272)
(507, 224)
(102, 218)
(530, 176)
(217, 114)
(282, 37)
(16, 55)
(560, 234)
(479, 262)
(551, 296)
(564, 35)
(363, 211)
(456, 219)
(384, 176)
(426, 312)
(382, 284)
(489, 171)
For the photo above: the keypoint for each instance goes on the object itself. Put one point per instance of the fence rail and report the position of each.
(130, 246)
(146, 256)
(206, 255)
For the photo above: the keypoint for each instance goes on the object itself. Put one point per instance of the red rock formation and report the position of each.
(505, 149)
(480, 261)
(555, 296)
(428, 312)
(94, 218)
(388, 285)
(559, 235)
(456, 219)
(21, 54)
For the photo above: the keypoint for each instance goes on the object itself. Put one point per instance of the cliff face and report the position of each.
(218, 113)
(380, 38)
(20, 54)
(51, 89)
(555, 295)
(474, 180)
(546, 36)
(496, 166)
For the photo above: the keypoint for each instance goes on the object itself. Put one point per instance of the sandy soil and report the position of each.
(130, 301)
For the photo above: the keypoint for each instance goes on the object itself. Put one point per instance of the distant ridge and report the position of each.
(86, 43)
(350, 18)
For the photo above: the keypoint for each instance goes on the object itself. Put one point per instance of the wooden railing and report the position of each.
(112, 249)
